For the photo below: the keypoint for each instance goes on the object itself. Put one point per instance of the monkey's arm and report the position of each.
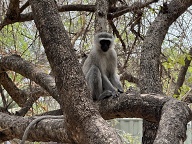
(107, 85)
(94, 81)
(108, 88)
(116, 83)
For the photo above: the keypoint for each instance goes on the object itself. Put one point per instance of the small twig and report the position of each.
(117, 34)
(3, 97)
(24, 7)
(182, 73)
(134, 7)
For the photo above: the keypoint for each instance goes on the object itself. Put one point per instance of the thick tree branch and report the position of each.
(173, 122)
(74, 95)
(13, 10)
(28, 70)
(17, 95)
(45, 130)
(87, 8)
(102, 8)
(151, 107)
(12, 13)
(33, 96)
(150, 56)
(24, 98)
(79, 7)
(136, 6)
(152, 45)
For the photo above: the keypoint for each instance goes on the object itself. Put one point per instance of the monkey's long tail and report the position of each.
(36, 121)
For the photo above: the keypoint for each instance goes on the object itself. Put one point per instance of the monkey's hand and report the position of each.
(116, 94)
(120, 90)
(108, 93)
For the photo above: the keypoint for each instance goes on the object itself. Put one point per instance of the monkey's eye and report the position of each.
(105, 42)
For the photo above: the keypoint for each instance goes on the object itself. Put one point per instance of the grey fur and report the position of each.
(100, 69)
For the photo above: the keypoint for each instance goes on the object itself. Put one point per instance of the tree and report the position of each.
(84, 119)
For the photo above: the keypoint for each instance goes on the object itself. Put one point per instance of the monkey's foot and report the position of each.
(108, 93)
(105, 94)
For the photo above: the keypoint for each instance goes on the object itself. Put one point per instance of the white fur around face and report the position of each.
(103, 36)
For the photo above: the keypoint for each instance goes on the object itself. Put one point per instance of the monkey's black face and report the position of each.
(105, 44)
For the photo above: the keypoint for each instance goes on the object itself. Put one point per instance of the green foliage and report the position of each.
(184, 89)
(175, 60)
(168, 65)
(16, 38)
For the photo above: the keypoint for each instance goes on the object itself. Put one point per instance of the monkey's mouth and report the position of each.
(104, 48)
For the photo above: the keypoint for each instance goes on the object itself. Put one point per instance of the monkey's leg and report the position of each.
(94, 81)
(107, 85)
(109, 90)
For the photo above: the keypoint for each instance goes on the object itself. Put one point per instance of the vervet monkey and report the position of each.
(100, 67)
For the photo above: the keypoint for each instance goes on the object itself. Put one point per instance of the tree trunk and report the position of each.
(150, 57)
(101, 15)
(73, 93)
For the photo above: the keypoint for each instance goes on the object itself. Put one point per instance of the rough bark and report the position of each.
(74, 96)
(45, 130)
(169, 125)
(102, 7)
(17, 95)
(147, 106)
(13, 10)
(22, 97)
(150, 56)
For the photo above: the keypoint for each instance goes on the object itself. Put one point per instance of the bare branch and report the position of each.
(136, 6)
(182, 73)
(32, 97)
(80, 7)
(117, 34)
(88, 8)
(24, 7)
(129, 78)
(17, 95)
(28, 70)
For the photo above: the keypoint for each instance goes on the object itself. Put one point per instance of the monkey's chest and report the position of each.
(107, 67)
